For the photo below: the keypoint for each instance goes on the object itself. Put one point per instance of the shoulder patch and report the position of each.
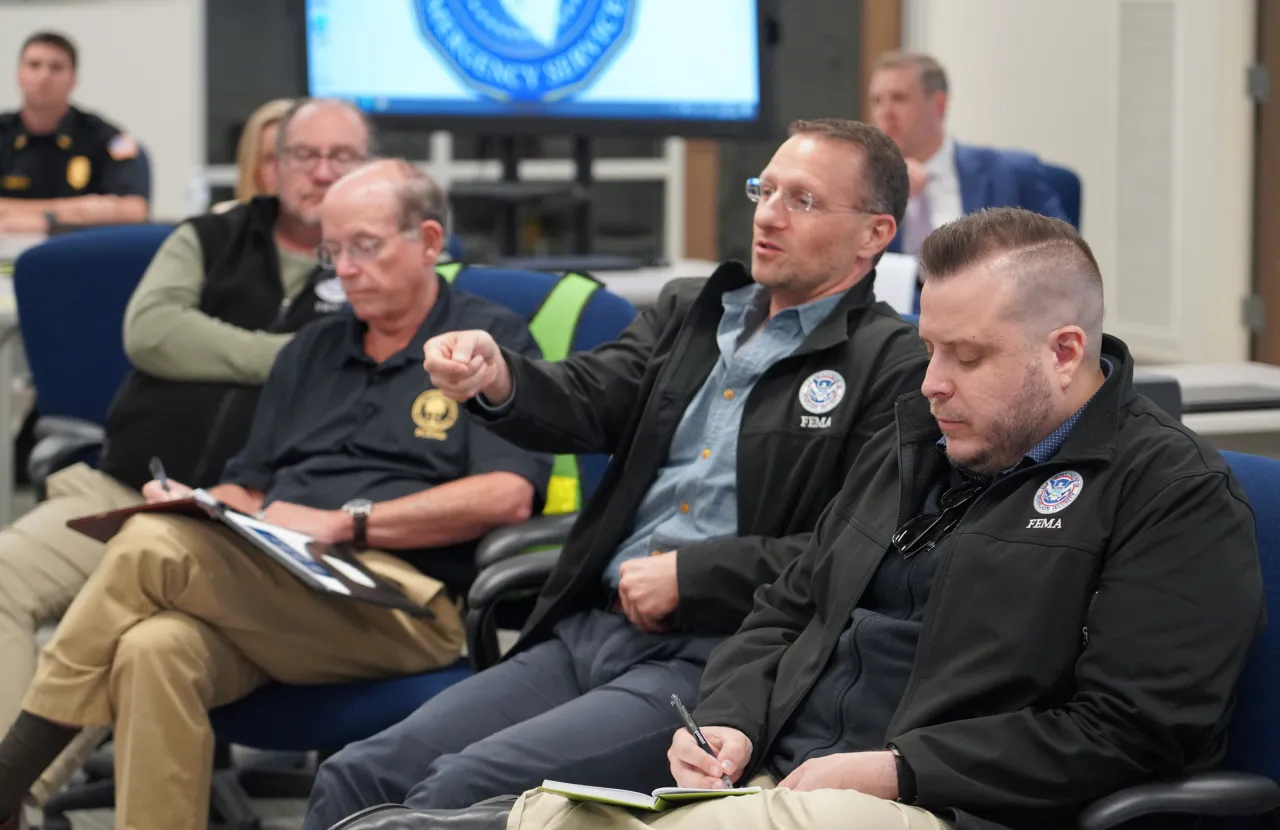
(123, 147)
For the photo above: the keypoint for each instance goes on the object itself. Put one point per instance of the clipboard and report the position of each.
(324, 568)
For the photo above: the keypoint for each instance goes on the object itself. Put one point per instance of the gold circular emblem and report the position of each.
(78, 172)
(433, 414)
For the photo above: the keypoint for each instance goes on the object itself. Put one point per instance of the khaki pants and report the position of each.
(774, 809)
(43, 565)
(183, 616)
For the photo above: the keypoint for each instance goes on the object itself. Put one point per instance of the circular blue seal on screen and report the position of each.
(531, 51)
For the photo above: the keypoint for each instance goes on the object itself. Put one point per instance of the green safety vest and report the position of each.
(553, 327)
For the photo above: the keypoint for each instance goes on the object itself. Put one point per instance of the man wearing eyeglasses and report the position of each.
(1034, 589)
(732, 410)
(221, 297)
(349, 445)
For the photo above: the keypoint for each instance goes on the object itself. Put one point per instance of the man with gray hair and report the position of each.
(350, 444)
(223, 294)
(909, 96)
(1034, 589)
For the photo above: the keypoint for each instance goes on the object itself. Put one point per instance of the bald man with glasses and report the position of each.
(350, 444)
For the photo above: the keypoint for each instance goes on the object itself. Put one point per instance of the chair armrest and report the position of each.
(506, 542)
(527, 572)
(1204, 794)
(66, 425)
(60, 443)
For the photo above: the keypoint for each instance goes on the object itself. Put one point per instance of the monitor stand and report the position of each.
(510, 195)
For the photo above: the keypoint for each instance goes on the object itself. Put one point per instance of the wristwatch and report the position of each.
(906, 778)
(359, 510)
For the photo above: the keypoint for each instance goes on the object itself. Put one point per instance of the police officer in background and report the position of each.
(59, 164)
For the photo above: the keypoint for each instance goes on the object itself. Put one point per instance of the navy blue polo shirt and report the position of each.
(84, 155)
(332, 425)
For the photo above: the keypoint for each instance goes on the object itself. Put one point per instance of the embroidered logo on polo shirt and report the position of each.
(433, 414)
(1058, 492)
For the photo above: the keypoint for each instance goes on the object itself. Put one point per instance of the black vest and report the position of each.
(195, 427)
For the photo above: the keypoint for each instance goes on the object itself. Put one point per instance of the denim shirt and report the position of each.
(694, 496)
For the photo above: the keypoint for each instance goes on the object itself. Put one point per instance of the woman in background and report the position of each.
(256, 154)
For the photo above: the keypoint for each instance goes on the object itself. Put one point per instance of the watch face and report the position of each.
(358, 506)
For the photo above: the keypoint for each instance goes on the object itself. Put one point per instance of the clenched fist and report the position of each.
(463, 364)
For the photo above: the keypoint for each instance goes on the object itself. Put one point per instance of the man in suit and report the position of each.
(948, 179)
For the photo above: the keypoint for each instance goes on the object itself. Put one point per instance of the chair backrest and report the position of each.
(1254, 742)
(1067, 185)
(71, 293)
(566, 313)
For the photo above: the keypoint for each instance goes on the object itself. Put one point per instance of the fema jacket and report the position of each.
(1072, 645)
(626, 399)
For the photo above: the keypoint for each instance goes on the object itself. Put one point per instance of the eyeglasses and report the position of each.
(360, 249)
(795, 201)
(308, 158)
(924, 532)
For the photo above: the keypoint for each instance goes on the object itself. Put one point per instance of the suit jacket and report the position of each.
(1000, 178)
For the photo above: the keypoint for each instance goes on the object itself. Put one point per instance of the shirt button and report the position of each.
(684, 508)
(706, 453)
(728, 394)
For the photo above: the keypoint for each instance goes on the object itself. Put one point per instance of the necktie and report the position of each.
(917, 223)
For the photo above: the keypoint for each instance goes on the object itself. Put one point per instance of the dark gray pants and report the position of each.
(589, 706)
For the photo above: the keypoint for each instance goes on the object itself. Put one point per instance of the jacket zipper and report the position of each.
(844, 695)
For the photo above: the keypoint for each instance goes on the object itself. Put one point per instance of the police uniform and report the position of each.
(85, 155)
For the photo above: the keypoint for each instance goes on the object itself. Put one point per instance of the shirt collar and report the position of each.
(436, 321)
(755, 298)
(941, 161)
(1052, 442)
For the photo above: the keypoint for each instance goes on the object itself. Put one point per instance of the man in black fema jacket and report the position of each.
(733, 411)
(1034, 590)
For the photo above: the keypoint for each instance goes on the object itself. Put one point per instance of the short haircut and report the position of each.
(283, 130)
(419, 198)
(933, 78)
(1057, 274)
(54, 39)
(885, 186)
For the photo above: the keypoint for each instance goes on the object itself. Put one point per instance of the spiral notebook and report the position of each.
(663, 798)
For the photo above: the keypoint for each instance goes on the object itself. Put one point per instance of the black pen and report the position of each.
(697, 734)
(157, 472)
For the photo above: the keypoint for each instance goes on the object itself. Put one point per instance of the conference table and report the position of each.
(1235, 406)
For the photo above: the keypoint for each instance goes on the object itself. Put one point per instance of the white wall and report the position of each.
(1145, 99)
(141, 67)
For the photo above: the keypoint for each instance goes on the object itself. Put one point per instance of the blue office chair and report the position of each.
(1067, 185)
(1246, 782)
(327, 718)
(71, 293)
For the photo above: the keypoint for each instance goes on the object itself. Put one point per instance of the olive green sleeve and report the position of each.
(166, 335)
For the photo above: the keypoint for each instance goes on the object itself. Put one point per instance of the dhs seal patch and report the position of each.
(530, 51)
(821, 391)
(1058, 492)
